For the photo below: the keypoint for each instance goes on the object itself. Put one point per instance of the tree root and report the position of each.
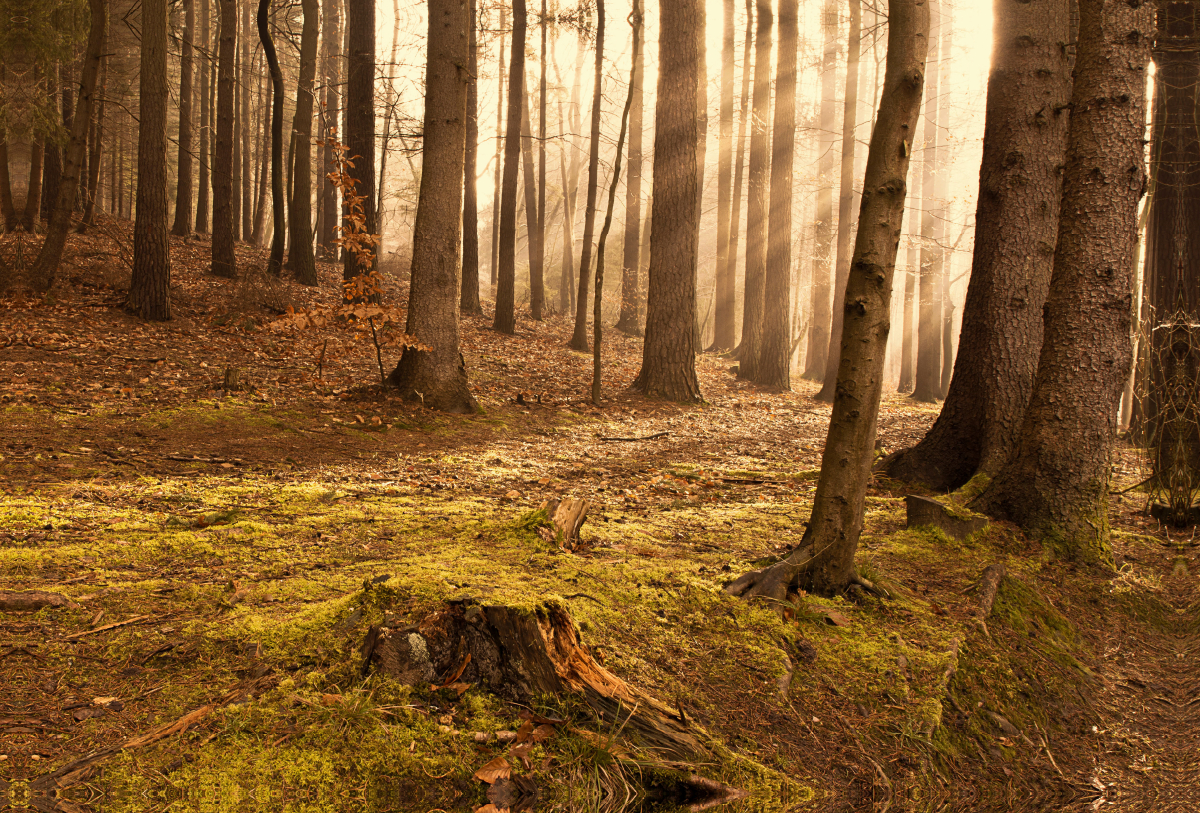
(773, 583)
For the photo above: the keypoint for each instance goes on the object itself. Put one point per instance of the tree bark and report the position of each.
(33, 197)
(8, 207)
(95, 149)
(51, 152)
(537, 288)
(579, 338)
(278, 213)
(1020, 187)
(500, 148)
(630, 320)
(300, 248)
(224, 260)
(150, 285)
(928, 383)
(825, 559)
(845, 233)
(506, 280)
(758, 199)
(469, 299)
(183, 187)
(669, 351)
(330, 40)
(1055, 485)
(204, 183)
(735, 217)
(537, 282)
(360, 117)
(435, 374)
(912, 264)
(566, 289)
(723, 315)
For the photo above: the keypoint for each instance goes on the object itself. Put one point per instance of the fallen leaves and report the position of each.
(497, 768)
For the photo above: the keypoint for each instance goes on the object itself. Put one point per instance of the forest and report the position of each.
(480, 406)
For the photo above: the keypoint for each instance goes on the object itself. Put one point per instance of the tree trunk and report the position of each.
(278, 213)
(204, 184)
(669, 351)
(8, 207)
(46, 265)
(150, 284)
(537, 281)
(183, 187)
(1025, 139)
(360, 118)
(435, 375)
(469, 298)
(773, 368)
(224, 260)
(579, 338)
(506, 280)
(537, 290)
(758, 200)
(1055, 485)
(95, 144)
(912, 263)
(500, 151)
(33, 197)
(300, 250)
(816, 360)
(566, 289)
(629, 322)
(825, 559)
(928, 384)
(723, 318)
(262, 197)
(845, 233)
(240, 72)
(735, 217)
(51, 152)
(330, 40)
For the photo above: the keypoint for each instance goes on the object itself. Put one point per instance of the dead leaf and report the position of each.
(836, 619)
(330, 699)
(498, 768)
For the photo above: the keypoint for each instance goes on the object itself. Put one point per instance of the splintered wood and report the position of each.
(566, 517)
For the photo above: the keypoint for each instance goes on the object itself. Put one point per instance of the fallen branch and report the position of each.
(655, 436)
(31, 600)
(77, 635)
(989, 586)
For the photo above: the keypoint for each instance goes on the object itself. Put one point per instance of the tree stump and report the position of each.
(566, 518)
(520, 653)
(923, 511)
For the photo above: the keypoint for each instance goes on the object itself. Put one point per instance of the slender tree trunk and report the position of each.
(505, 319)
(537, 273)
(390, 102)
(330, 40)
(630, 319)
(825, 559)
(758, 203)
(945, 329)
(566, 290)
(150, 285)
(535, 248)
(816, 360)
(928, 383)
(669, 351)
(33, 198)
(579, 337)
(95, 150)
(723, 311)
(845, 233)
(912, 264)
(701, 150)
(1055, 485)
(435, 375)
(360, 117)
(300, 254)
(183, 187)
(262, 182)
(224, 260)
(51, 152)
(204, 184)
(774, 359)
(246, 131)
(501, 146)
(469, 296)
(278, 214)
(8, 207)
(46, 265)
(735, 217)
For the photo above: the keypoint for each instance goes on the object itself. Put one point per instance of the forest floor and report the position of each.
(225, 552)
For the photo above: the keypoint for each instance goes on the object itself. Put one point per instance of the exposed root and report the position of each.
(771, 583)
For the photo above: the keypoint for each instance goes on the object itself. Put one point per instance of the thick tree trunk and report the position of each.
(183, 186)
(331, 39)
(825, 560)
(46, 265)
(278, 213)
(845, 233)
(150, 284)
(758, 200)
(300, 248)
(630, 320)
(928, 384)
(360, 118)
(816, 360)
(669, 351)
(203, 187)
(1020, 186)
(224, 260)
(579, 337)
(469, 298)
(8, 207)
(505, 319)
(435, 374)
(33, 197)
(773, 368)
(723, 313)
(1056, 483)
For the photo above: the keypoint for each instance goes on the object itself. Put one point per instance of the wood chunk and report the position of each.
(566, 517)
(923, 512)
(989, 585)
(29, 601)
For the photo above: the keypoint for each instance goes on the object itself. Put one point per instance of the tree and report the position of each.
(1055, 485)
(911, 265)
(773, 367)
(928, 383)
(630, 319)
(360, 118)
(332, 69)
(735, 217)
(203, 187)
(224, 260)
(669, 351)
(300, 248)
(150, 284)
(183, 188)
(533, 231)
(435, 373)
(278, 213)
(33, 194)
(824, 561)
(506, 280)
(469, 300)
(723, 315)
(50, 255)
(845, 231)
(758, 199)
(537, 283)
(500, 147)
(579, 337)
(1020, 186)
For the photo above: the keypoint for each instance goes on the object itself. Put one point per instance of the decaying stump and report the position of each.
(923, 511)
(566, 518)
(520, 653)
(28, 601)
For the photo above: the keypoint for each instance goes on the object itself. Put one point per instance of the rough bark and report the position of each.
(278, 213)
(1055, 485)
(360, 116)
(579, 337)
(927, 386)
(500, 146)
(182, 225)
(95, 150)
(469, 298)
(536, 249)
(630, 319)
(332, 68)
(435, 374)
(824, 562)
(301, 260)
(506, 319)
(1020, 185)
(735, 217)
(203, 187)
(537, 282)
(845, 231)
(669, 351)
(758, 198)
(224, 260)
(911, 265)
(723, 309)
(150, 285)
